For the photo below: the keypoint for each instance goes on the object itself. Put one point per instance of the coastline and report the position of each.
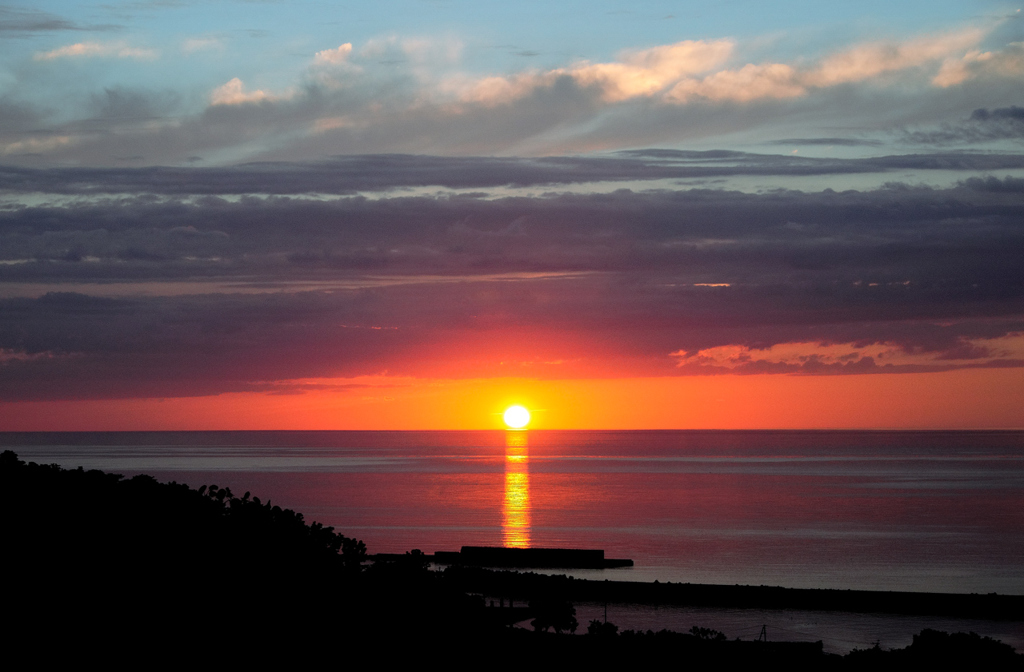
(993, 607)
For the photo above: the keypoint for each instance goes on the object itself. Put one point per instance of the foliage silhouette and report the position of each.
(94, 557)
(98, 565)
(933, 649)
(598, 628)
(707, 633)
(555, 612)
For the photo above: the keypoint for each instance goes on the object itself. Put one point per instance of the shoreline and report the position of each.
(993, 607)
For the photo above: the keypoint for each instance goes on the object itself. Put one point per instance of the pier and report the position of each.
(519, 558)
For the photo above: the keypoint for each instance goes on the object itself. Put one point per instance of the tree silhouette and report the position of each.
(602, 629)
(555, 613)
(707, 633)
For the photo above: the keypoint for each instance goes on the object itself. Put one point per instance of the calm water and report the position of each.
(928, 511)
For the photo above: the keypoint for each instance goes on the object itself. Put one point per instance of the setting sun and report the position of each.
(517, 417)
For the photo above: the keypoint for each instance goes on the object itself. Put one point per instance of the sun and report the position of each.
(517, 417)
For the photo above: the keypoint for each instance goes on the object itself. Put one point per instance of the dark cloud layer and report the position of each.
(160, 295)
(984, 125)
(828, 142)
(346, 175)
(15, 22)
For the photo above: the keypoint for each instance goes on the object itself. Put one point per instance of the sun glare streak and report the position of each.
(515, 510)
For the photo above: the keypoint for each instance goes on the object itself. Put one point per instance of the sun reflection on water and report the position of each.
(515, 519)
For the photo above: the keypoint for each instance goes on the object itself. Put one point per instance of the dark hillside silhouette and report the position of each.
(99, 567)
(98, 560)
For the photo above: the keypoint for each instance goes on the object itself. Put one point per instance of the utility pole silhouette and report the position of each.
(763, 637)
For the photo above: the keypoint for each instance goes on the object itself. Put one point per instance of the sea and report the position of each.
(933, 511)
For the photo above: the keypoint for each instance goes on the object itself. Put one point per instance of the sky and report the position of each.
(409, 215)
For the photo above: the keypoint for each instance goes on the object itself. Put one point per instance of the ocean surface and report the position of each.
(904, 511)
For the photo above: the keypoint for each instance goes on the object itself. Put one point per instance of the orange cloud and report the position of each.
(1008, 62)
(97, 49)
(870, 60)
(815, 357)
(638, 73)
(751, 82)
(233, 93)
(686, 70)
(647, 72)
(334, 56)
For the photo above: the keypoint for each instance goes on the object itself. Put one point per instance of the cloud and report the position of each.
(649, 71)
(751, 82)
(1009, 185)
(983, 125)
(975, 64)
(196, 44)
(138, 105)
(233, 93)
(394, 95)
(7, 356)
(818, 358)
(135, 294)
(870, 60)
(431, 50)
(514, 248)
(857, 64)
(97, 49)
(334, 56)
(21, 22)
(1012, 114)
(417, 51)
(348, 175)
(638, 73)
(33, 146)
(837, 142)
(668, 71)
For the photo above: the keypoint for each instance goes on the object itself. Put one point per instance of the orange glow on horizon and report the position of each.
(963, 399)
